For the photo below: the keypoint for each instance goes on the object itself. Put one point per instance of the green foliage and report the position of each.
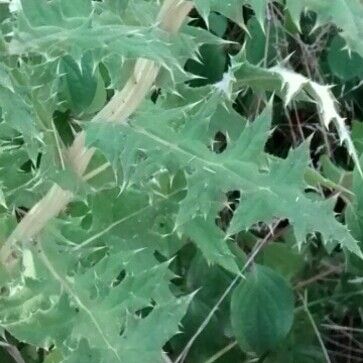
(262, 310)
(210, 169)
(84, 89)
(102, 299)
(343, 64)
(337, 12)
(283, 259)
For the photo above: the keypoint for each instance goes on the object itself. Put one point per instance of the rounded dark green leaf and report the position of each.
(262, 310)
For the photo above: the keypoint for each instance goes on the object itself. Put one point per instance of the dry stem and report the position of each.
(121, 106)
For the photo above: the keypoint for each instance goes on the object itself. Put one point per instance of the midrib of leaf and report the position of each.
(110, 227)
(120, 221)
(96, 171)
(64, 285)
(35, 179)
(223, 168)
(208, 163)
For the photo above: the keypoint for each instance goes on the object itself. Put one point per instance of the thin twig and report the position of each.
(265, 55)
(221, 352)
(254, 253)
(316, 330)
(319, 276)
(342, 328)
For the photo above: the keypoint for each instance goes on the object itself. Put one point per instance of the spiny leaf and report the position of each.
(99, 284)
(274, 190)
(337, 12)
(17, 114)
(289, 85)
(54, 30)
(232, 9)
(93, 302)
(343, 63)
(80, 84)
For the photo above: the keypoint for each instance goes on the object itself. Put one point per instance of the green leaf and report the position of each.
(282, 258)
(257, 43)
(289, 84)
(268, 191)
(230, 9)
(259, 7)
(175, 196)
(2, 199)
(210, 67)
(55, 356)
(108, 282)
(20, 187)
(343, 63)
(81, 83)
(354, 220)
(337, 175)
(18, 115)
(218, 24)
(357, 135)
(210, 282)
(303, 353)
(210, 241)
(5, 80)
(77, 303)
(336, 11)
(262, 310)
(53, 30)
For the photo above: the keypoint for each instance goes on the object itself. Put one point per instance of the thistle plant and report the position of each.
(146, 214)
